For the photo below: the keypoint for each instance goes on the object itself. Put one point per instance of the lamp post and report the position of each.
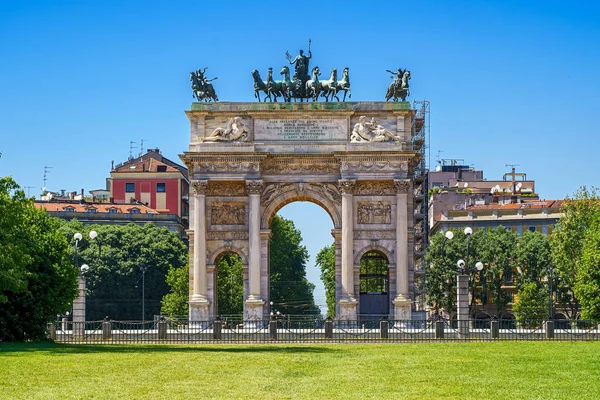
(79, 302)
(551, 300)
(462, 287)
(143, 269)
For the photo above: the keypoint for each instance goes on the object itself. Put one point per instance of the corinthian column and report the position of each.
(254, 302)
(347, 301)
(199, 301)
(402, 302)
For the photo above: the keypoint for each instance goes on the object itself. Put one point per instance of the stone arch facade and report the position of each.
(295, 153)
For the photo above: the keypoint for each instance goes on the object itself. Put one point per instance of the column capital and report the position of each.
(346, 186)
(254, 186)
(401, 185)
(199, 187)
(337, 234)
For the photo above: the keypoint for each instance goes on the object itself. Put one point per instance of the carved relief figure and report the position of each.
(375, 188)
(371, 132)
(374, 212)
(228, 213)
(235, 130)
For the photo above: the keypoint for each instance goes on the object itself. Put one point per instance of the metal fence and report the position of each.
(307, 330)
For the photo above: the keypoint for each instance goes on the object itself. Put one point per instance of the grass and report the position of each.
(500, 370)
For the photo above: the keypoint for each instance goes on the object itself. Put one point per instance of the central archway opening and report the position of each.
(299, 231)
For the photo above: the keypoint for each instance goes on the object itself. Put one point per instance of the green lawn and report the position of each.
(504, 370)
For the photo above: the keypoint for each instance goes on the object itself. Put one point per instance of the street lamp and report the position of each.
(143, 269)
(79, 302)
(550, 283)
(462, 286)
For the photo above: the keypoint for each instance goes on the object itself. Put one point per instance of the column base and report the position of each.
(199, 308)
(402, 308)
(348, 307)
(254, 308)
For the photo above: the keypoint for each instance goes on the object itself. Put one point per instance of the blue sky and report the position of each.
(510, 82)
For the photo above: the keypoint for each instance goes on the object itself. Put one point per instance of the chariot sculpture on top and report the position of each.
(302, 85)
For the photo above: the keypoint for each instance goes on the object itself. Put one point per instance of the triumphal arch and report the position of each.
(247, 160)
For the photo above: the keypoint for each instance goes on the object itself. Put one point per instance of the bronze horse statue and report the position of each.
(313, 86)
(399, 87)
(201, 88)
(270, 87)
(329, 86)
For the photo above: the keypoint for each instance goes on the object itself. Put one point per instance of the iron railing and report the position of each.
(316, 330)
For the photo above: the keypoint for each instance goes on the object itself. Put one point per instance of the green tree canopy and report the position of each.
(175, 303)
(531, 307)
(114, 281)
(37, 280)
(578, 225)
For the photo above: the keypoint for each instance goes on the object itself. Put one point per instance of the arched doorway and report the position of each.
(374, 285)
(229, 284)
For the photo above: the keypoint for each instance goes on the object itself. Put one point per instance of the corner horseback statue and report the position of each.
(202, 89)
(399, 88)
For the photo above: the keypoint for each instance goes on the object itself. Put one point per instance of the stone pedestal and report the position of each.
(79, 308)
(462, 304)
(254, 309)
(199, 309)
(348, 310)
(402, 308)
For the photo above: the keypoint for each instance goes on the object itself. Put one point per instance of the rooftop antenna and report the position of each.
(131, 147)
(513, 175)
(28, 189)
(438, 155)
(142, 146)
(46, 172)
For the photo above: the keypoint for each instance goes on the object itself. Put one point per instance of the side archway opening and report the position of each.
(229, 284)
(374, 285)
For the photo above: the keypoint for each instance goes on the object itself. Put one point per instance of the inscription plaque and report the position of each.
(288, 129)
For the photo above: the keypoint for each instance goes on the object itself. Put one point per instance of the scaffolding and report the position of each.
(420, 139)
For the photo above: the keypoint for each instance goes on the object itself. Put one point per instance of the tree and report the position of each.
(326, 263)
(581, 216)
(532, 307)
(114, 281)
(587, 281)
(496, 250)
(175, 303)
(291, 292)
(37, 280)
(533, 258)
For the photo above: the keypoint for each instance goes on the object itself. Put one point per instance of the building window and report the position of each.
(161, 187)
(112, 210)
(161, 168)
(69, 209)
(532, 228)
(129, 187)
(92, 210)
(134, 211)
